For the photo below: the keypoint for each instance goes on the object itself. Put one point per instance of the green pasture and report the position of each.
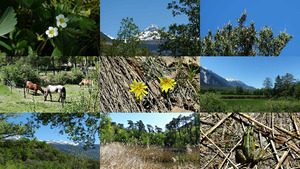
(15, 102)
(246, 105)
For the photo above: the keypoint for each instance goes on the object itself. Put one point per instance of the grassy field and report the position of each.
(118, 155)
(15, 102)
(246, 105)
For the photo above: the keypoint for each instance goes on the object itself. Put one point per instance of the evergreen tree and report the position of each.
(243, 40)
(127, 41)
(278, 86)
(287, 81)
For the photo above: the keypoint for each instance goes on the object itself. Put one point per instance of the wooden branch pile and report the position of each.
(277, 133)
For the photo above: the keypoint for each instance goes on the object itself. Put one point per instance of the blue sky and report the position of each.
(276, 13)
(45, 132)
(143, 12)
(253, 70)
(158, 119)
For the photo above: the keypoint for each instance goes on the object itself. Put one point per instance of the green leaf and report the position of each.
(5, 45)
(56, 52)
(7, 21)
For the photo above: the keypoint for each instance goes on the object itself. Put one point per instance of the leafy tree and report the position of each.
(268, 84)
(287, 80)
(128, 42)
(183, 39)
(8, 129)
(239, 90)
(81, 127)
(244, 40)
(278, 86)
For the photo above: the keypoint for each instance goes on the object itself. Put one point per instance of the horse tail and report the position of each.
(64, 93)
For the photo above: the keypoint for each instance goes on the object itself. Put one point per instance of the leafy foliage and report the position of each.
(32, 18)
(243, 40)
(25, 153)
(183, 39)
(80, 127)
(179, 132)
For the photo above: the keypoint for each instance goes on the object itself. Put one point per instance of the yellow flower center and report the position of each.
(51, 31)
(61, 20)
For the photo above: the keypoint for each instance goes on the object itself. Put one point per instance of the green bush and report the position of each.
(209, 102)
(16, 72)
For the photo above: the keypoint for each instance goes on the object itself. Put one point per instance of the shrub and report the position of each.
(16, 72)
(209, 102)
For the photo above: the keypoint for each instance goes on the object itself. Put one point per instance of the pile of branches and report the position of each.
(117, 73)
(277, 133)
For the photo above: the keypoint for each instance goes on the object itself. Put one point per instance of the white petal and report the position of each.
(63, 25)
(66, 19)
(50, 27)
(55, 29)
(47, 32)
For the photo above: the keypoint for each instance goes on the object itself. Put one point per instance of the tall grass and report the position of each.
(118, 155)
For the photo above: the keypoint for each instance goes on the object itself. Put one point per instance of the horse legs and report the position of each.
(35, 92)
(59, 97)
(50, 96)
(45, 96)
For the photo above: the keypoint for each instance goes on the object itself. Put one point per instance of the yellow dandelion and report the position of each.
(166, 84)
(138, 89)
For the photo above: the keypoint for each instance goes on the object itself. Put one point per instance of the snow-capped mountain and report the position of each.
(151, 42)
(61, 142)
(210, 79)
(146, 35)
(16, 137)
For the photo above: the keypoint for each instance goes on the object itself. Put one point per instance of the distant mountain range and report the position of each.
(151, 42)
(68, 147)
(210, 79)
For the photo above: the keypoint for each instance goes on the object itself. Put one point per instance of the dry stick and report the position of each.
(295, 124)
(275, 151)
(227, 157)
(214, 127)
(256, 122)
(282, 159)
(217, 147)
(210, 161)
(288, 132)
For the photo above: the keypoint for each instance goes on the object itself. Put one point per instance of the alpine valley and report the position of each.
(151, 42)
(210, 79)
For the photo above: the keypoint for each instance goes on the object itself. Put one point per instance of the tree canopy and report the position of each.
(244, 40)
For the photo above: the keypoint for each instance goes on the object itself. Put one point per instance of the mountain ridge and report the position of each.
(210, 79)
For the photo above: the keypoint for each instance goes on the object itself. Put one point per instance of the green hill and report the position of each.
(27, 154)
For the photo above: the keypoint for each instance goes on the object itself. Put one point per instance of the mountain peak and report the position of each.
(152, 28)
(231, 80)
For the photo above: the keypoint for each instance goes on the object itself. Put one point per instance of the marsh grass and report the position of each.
(118, 155)
(15, 101)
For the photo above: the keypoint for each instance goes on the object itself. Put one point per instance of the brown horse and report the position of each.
(30, 85)
(85, 82)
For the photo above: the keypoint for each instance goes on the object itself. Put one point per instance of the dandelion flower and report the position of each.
(166, 83)
(138, 89)
(61, 20)
(52, 32)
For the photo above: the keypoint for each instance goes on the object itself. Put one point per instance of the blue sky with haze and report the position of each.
(143, 12)
(45, 132)
(253, 70)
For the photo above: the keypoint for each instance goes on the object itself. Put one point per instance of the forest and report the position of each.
(26, 153)
(179, 132)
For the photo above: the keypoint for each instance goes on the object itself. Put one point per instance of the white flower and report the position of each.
(52, 32)
(61, 20)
